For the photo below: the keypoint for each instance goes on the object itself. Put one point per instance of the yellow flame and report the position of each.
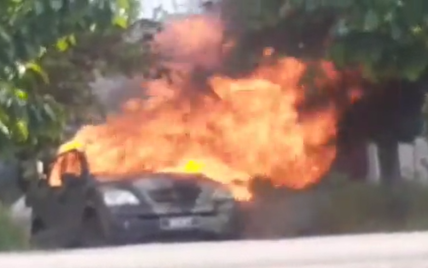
(193, 166)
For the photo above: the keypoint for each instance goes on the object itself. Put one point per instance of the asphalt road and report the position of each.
(364, 251)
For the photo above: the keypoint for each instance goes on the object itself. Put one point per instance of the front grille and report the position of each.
(181, 192)
(154, 216)
(187, 191)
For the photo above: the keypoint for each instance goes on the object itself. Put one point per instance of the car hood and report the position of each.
(173, 194)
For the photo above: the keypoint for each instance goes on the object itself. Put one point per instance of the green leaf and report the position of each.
(340, 28)
(22, 95)
(413, 69)
(62, 44)
(371, 21)
(4, 35)
(50, 112)
(56, 4)
(38, 69)
(123, 4)
(121, 22)
(4, 129)
(72, 39)
(38, 7)
(22, 130)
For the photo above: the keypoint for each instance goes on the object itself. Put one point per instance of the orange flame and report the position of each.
(250, 126)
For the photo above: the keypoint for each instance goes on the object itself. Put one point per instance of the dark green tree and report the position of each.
(39, 40)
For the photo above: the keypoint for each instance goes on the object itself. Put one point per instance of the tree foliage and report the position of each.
(72, 71)
(385, 38)
(37, 38)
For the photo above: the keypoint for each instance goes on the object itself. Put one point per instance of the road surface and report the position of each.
(406, 250)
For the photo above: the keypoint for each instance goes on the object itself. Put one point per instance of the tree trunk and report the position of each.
(389, 162)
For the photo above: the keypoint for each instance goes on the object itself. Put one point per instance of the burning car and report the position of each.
(73, 208)
(196, 119)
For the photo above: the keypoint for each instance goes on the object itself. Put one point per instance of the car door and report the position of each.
(60, 198)
(44, 195)
(74, 177)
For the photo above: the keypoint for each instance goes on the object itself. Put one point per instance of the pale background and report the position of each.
(170, 6)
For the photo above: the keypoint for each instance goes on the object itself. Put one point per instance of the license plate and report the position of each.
(178, 223)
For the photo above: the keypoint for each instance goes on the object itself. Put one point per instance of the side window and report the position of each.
(67, 163)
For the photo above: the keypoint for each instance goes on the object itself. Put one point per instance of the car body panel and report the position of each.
(200, 215)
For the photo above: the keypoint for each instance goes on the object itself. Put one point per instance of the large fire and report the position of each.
(249, 127)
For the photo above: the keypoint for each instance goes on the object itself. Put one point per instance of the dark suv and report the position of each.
(73, 208)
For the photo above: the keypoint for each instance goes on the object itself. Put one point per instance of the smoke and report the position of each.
(195, 42)
(194, 45)
(112, 92)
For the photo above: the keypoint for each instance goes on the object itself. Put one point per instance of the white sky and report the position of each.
(148, 6)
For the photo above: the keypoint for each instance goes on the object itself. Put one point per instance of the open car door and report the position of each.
(59, 200)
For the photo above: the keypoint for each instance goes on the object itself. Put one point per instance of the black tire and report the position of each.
(37, 226)
(39, 237)
(91, 232)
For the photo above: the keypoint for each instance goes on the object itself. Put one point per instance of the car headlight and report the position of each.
(115, 197)
(221, 194)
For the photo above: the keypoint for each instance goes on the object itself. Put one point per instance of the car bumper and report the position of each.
(129, 229)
